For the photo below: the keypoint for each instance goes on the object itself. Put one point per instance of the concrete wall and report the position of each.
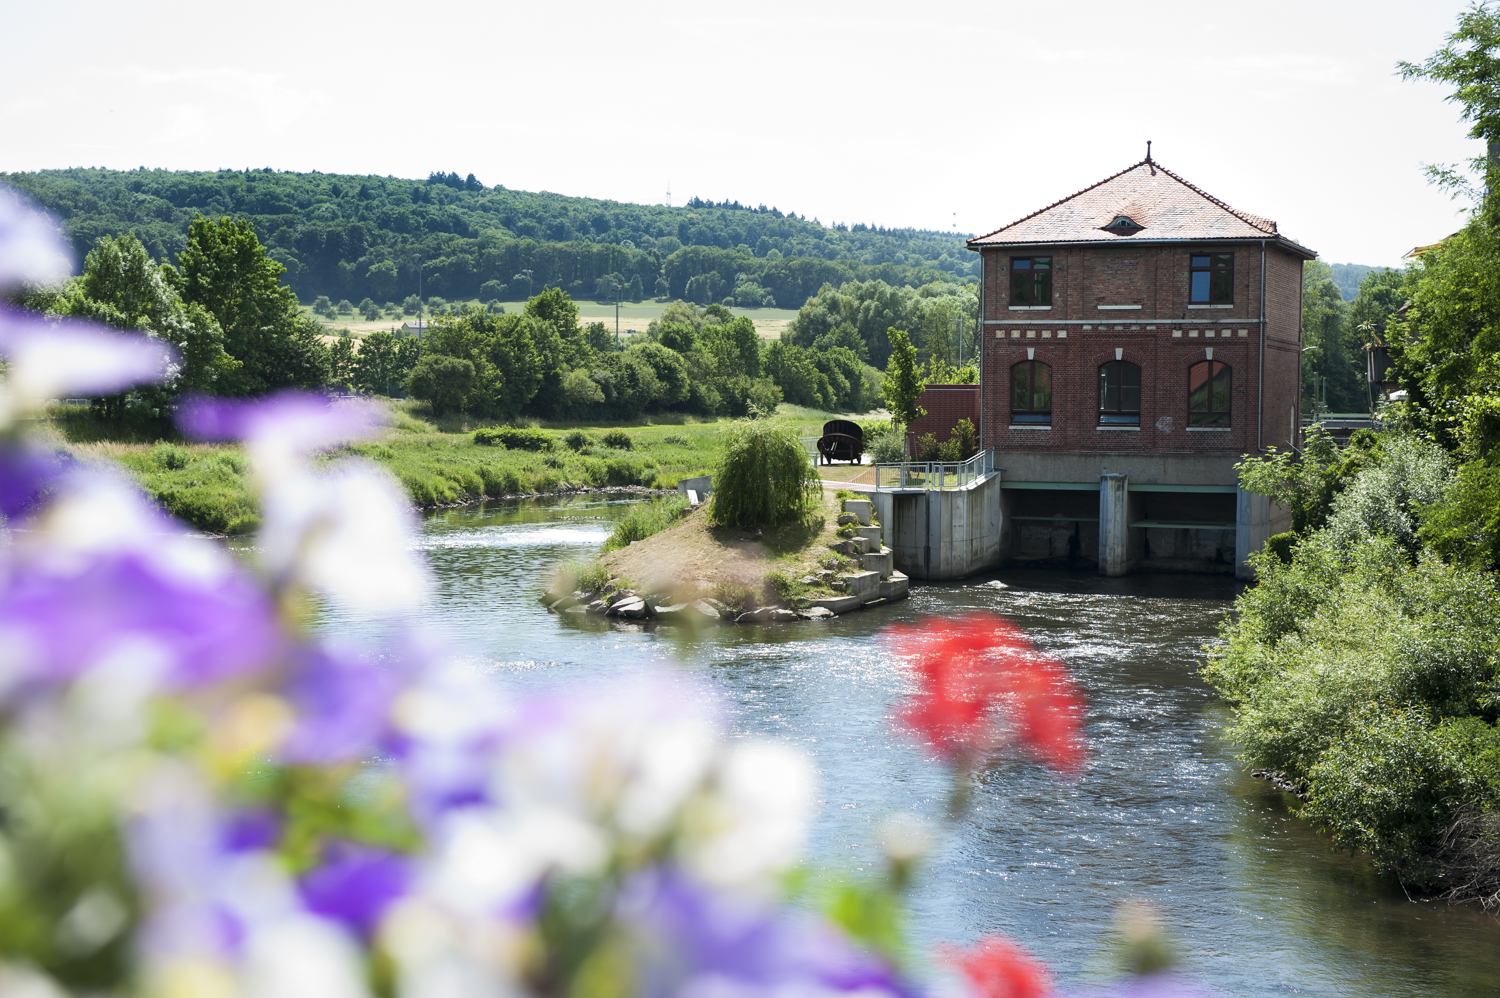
(945, 534)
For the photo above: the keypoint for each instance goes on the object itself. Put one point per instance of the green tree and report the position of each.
(800, 381)
(508, 369)
(122, 286)
(1470, 63)
(1381, 293)
(763, 477)
(1334, 369)
(903, 387)
(734, 344)
(225, 270)
(445, 382)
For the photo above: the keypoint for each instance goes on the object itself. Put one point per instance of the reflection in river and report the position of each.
(1163, 812)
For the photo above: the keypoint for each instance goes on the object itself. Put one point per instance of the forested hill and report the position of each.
(355, 237)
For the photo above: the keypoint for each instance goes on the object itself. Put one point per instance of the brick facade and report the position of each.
(1130, 302)
(945, 405)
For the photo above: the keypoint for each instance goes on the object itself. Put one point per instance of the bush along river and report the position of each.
(1253, 898)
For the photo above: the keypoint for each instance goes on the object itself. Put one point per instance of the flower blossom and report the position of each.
(343, 531)
(32, 249)
(47, 357)
(996, 967)
(971, 669)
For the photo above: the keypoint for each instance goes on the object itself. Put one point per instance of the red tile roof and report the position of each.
(1155, 198)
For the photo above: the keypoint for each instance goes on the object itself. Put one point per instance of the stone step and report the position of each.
(862, 584)
(860, 508)
(896, 587)
(838, 604)
(878, 562)
(872, 534)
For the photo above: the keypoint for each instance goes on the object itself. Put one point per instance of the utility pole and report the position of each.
(617, 318)
(526, 274)
(421, 303)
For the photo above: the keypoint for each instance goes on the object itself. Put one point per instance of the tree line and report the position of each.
(354, 237)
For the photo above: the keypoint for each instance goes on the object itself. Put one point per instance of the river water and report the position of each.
(1163, 813)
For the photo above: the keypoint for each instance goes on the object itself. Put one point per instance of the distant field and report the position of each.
(769, 322)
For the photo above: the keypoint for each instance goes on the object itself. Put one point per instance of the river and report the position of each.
(1256, 902)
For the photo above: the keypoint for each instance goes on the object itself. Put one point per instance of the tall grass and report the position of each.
(644, 520)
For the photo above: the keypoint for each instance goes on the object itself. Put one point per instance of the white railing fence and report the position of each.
(935, 474)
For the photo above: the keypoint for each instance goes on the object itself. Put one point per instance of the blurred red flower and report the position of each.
(995, 967)
(978, 669)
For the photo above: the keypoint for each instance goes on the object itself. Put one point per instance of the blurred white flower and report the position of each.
(751, 824)
(300, 956)
(345, 533)
(32, 248)
(487, 859)
(50, 358)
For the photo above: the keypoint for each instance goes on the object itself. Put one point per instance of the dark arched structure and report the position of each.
(842, 440)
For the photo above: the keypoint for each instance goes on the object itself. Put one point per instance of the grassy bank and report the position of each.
(437, 461)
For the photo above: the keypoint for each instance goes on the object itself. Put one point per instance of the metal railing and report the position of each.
(935, 474)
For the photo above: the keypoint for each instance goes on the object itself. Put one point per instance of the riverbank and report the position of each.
(691, 571)
(437, 462)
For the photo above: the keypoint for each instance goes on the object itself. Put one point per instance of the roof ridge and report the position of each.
(1070, 197)
(1244, 216)
(1254, 221)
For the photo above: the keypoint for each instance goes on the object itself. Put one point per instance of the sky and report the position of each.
(935, 115)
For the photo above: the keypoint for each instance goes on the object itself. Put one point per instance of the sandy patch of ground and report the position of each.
(691, 558)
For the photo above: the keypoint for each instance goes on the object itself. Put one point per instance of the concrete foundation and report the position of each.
(943, 534)
(1114, 525)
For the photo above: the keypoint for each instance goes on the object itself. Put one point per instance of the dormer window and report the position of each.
(1123, 225)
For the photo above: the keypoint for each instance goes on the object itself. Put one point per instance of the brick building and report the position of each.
(1140, 336)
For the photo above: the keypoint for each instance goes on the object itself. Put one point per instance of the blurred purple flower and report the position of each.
(58, 619)
(692, 939)
(32, 249)
(249, 830)
(355, 884)
(298, 422)
(26, 475)
(343, 704)
(49, 357)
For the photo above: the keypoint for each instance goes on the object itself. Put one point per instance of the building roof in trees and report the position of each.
(1144, 203)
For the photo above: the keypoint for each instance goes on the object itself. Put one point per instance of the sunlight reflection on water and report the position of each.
(1162, 812)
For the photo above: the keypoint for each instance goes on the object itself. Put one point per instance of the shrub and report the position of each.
(676, 440)
(885, 446)
(443, 381)
(577, 440)
(782, 588)
(1280, 546)
(736, 597)
(764, 476)
(513, 438)
(170, 457)
(624, 471)
(618, 439)
(589, 577)
(967, 438)
(644, 519)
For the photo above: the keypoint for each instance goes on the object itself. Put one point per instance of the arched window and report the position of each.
(1119, 394)
(1031, 393)
(1208, 393)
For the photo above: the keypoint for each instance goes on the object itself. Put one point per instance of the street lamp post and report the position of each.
(526, 274)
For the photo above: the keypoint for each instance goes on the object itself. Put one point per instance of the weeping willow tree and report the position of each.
(764, 477)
